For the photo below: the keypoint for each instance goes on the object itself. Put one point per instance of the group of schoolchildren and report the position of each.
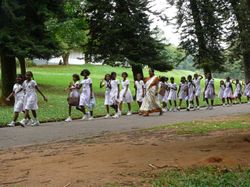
(81, 94)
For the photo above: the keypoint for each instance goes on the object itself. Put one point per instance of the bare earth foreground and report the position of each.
(127, 158)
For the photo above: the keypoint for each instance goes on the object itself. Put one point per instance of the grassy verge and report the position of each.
(203, 177)
(54, 79)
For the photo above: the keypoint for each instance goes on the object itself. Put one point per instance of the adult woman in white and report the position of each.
(150, 102)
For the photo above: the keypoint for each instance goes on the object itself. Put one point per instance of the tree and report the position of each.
(119, 30)
(23, 33)
(71, 33)
(201, 32)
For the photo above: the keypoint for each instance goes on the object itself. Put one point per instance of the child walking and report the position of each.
(18, 94)
(228, 93)
(238, 90)
(209, 92)
(247, 91)
(106, 82)
(114, 94)
(139, 89)
(172, 97)
(125, 96)
(163, 92)
(183, 92)
(30, 99)
(191, 92)
(221, 92)
(87, 99)
(197, 82)
(74, 95)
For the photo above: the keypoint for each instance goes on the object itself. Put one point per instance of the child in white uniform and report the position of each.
(222, 90)
(87, 98)
(191, 92)
(106, 82)
(228, 93)
(209, 92)
(183, 92)
(163, 92)
(247, 91)
(30, 99)
(125, 95)
(139, 89)
(18, 94)
(114, 94)
(197, 82)
(172, 94)
(238, 91)
(74, 94)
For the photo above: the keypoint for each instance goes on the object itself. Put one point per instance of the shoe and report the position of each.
(23, 122)
(211, 108)
(188, 109)
(198, 108)
(119, 113)
(35, 123)
(164, 109)
(69, 119)
(107, 116)
(175, 110)
(208, 107)
(171, 109)
(116, 116)
(90, 118)
(129, 113)
(85, 117)
(30, 122)
(12, 124)
(179, 108)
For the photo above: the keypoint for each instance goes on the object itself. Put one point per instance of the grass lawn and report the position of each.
(203, 177)
(54, 79)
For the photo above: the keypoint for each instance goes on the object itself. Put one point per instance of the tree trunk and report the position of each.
(136, 69)
(65, 59)
(246, 60)
(8, 74)
(87, 58)
(22, 65)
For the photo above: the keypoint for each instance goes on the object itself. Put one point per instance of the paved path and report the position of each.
(58, 131)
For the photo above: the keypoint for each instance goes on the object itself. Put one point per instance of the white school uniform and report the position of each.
(197, 83)
(183, 91)
(19, 97)
(30, 97)
(238, 90)
(172, 96)
(161, 87)
(228, 90)
(85, 97)
(107, 93)
(126, 97)
(191, 91)
(209, 92)
(75, 91)
(221, 92)
(139, 90)
(165, 97)
(114, 92)
(247, 90)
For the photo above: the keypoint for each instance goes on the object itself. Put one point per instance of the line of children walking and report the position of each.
(81, 94)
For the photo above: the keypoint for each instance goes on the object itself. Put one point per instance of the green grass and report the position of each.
(203, 177)
(54, 79)
(205, 127)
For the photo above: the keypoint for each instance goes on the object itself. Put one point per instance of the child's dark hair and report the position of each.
(163, 79)
(167, 79)
(85, 71)
(76, 76)
(125, 73)
(189, 77)
(19, 76)
(172, 78)
(31, 74)
(105, 78)
(112, 76)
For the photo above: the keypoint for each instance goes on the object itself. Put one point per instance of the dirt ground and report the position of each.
(126, 159)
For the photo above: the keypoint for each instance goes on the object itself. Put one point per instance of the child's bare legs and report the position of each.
(115, 107)
(34, 113)
(107, 109)
(129, 107)
(15, 117)
(82, 109)
(139, 104)
(175, 103)
(70, 108)
(180, 102)
(207, 101)
(187, 104)
(120, 106)
(223, 101)
(197, 101)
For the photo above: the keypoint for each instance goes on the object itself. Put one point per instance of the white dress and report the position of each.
(19, 98)
(126, 97)
(172, 92)
(161, 87)
(191, 91)
(114, 92)
(228, 90)
(247, 90)
(30, 97)
(75, 92)
(107, 93)
(139, 90)
(238, 90)
(221, 92)
(197, 83)
(86, 99)
(183, 91)
(209, 92)
(165, 97)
